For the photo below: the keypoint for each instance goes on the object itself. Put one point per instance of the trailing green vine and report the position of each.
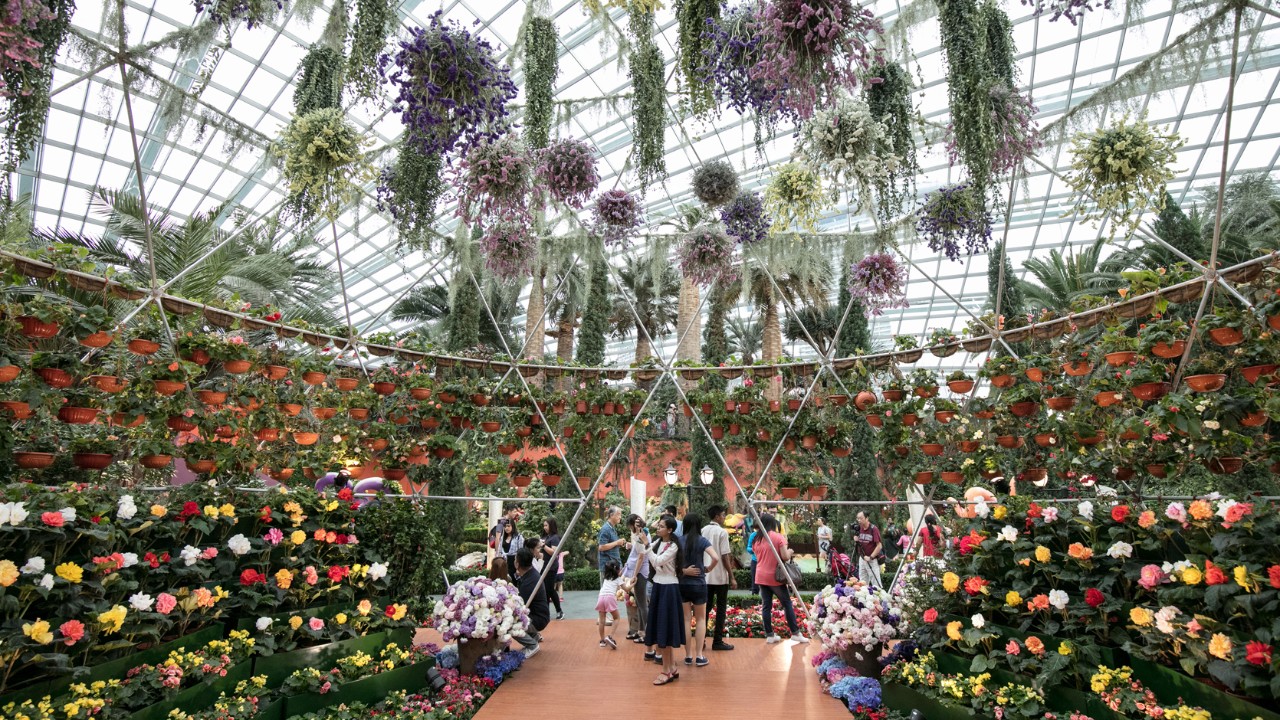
(319, 80)
(409, 189)
(541, 67)
(649, 99)
(27, 87)
(375, 19)
(963, 32)
(322, 160)
(1000, 50)
(694, 17)
(890, 103)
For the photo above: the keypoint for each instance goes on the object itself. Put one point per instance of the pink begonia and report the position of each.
(1152, 576)
(1050, 514)
(274, 536)
(1176, 511)
(315, 624)
(1013, 648)
(165, 603)
(209, 553)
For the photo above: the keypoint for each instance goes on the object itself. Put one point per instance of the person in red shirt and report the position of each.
(869, 549)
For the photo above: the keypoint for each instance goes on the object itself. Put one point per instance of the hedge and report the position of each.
(808, 581)
(476, 534)
(582, 579)
(589, 579)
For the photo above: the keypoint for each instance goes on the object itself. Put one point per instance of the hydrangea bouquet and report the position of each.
(848, 617)
(481, 608)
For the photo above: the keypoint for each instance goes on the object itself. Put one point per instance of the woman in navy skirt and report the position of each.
(666, 628)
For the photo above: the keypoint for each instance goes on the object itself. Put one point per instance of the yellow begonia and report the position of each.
(1141, 616)
(211, 510)
(1220, 646)
(113, 619)
(295, 622)
(38, 631)
(1241, 574)
(999, 512)
(70, 572)
(297, 537)
(400, 611)
(340, 618)
(8, 573)
(364, 607)
(1012, 598)
(950, 582)
(953, 631)
(158, 511)
(284, 578)
(227, 510)
(1064, 648)
(1192, 575)
(331, 506)
(1042, 554)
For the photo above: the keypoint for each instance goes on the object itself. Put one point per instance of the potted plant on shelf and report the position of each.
(312, 368)
(1258, 360)
(1117, 346)
(1165, 338)
(81, 407)
(791, 483)
(945, 410)
(56, 369)
(1227, 326)
(959, 382)
(10, 364)
(1023, 399)
(1001, 371)
(443, 445)
(924, 383)
(522, 471)
(91, 450)
(551, 469)
(153, 446)
(145, 335)
(943, 342)
(36, 443)
(907, 349)
(1207, 372)
(488, 470)
(236, 355)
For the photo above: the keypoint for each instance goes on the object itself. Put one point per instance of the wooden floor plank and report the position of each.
(572, 678)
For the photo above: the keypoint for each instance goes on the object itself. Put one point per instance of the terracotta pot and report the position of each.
(968, 446)
(237, 367)
(1024, 409)
(932, 449)
(809, 442)
(306, 438)
(487, 478)
(984, 414)
(793, 405)
(584, 483)
(789, 445)
(77, 415)
(375, 444)
(281, 475)
(443, 453)
(384, 388)
(1256, 372)
(290, 409)
(100, 339)
(143, 346)
(155, 462)
(521, 480)
(775, 406)
(717, 432)
(902, 450)
(1226, 337)
(420, 393)
(177, 423)
(609, 408)
(121, 420)
(1035, 474)
(1157, 470)
(9, 373)
(893, 395)
(1107, 398)
(1273, 322)
(314, 377)
(211, 397)
(267, 434)
(744, 408)
(1010, 442)
(168, 387)
(1224, 466)
(1169, 350)
(1003, 381)
(358, 413)
(790, 493)
(838, 399)
(91, 461)
(818, 492)
(450, 398)
(55, 377)
(944, 416)
(275, 372)
(1077, 368)
(225, 431)
(33, 460)
(735, 429)
(1093, 439)
(550, 480)
(875, 421)
(924, 478)
(960, 387)
(910, 419)
(840, 452)
(202, 467)
(199, 357)
(1116, 359)
(109, 383)
(1129, 436)
(686, 409)
(323, 413)
(926, 391)
(1257, 418)
(1206, 383)
(490, 426)
(1060, 403)
(33, 328)
(1124, 473)
(952, 477)
(346, 384)
(1150, 391)
(430, 423)
(864, 400)
(1046, 439)
(19, 410)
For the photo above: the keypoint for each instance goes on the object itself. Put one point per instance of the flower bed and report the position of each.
(749, 622)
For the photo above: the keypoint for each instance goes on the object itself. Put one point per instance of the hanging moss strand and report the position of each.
(649, 99)
(541, 67)
(319, 80)
(890, 103)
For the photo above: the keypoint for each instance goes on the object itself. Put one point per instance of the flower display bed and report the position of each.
(369, 690)
(279, 666)
(198, 697)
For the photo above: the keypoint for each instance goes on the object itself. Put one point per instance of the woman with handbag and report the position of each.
(771, 577)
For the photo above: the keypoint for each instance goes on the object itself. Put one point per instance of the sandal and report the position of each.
(664, 678)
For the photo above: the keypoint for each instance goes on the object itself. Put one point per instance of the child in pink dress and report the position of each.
(607, 603)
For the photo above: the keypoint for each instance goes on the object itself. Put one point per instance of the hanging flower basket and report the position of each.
(715, 183)
(1120, 172)
(794, 198)
(846, 145)
(745, 218)
(705, 253)
(321, 156)
(567, 172)
(495, 179)
(879, 282)
(509, 249)
(954, 221)
(616, 216)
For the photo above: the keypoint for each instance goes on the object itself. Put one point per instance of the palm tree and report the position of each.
(1064, 278)
(688, 318)
(263, 265)
(652, 288)
(746, 335)
(430, 305)
(801, 276)
(813, 325)
(566, 305)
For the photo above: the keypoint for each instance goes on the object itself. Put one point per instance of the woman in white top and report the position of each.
(666, 627)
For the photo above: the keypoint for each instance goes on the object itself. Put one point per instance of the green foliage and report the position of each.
(595, 318)
(649, 100)
(1174, 227)
(27, 100)
(1000, 50)
(319, 80)
(463, 323)
(410, 189)
(963, 30)
(1012, 301)
(582, 579)
(375, 19)
(402, 533)
(692, 16)
(541, 67)
(449, 517)
(890, 103)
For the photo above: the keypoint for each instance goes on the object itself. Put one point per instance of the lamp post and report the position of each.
(670, 475)
(706, 475)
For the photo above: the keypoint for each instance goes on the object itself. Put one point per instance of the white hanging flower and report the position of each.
(125, 509)
(130, 559)
(46, 582)
(1085, 509)
(239, 544)
(1120, 549)
(1009, 534)
(141, 602)
(189, 555)
(263, 623)
(978, 621)
(377, 571)
(68, 515)
(1058, 599)
(34, 566)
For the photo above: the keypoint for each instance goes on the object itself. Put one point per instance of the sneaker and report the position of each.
(721, 645)
(702, 662)
(772, 639)
(799, 639)
(688, 661)
(530, 652)
(612, 643)
(559, 616)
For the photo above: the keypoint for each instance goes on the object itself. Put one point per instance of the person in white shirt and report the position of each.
(719, 578)
(667, 627)
(824, 542)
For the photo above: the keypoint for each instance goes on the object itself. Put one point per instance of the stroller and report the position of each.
(841, 565)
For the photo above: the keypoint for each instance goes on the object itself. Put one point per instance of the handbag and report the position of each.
(787, 570)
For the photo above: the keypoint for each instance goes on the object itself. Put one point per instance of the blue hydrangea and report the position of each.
(448, 657)
(828, 665)
(857, 692)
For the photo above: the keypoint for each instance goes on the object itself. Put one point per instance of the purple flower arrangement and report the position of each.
(481, 608)
(495, 178)
(567, 170)
(451, 87)
(616, 216)
(499, 665)
(812, 50)
(705, 253)
(954, 219)
(745, 218)
(732, 47)
(1017, 137)
(879, 282)
(225, 12)
(17, 19)
(855, 616)
(509, 249)
(1072, 10)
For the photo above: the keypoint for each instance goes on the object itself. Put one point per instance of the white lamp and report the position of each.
(707, 475)
(670, 474)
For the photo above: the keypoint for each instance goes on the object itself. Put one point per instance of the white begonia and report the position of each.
(34, 566)
(1225, 506)
(377, 571)
(1164, 619)
(46, 582)
(239, 544)
(1120, 549)
(6, 511)
(1058, 599)
(141, 602)
(130, 559)
(18, 513)
(1009, 534)
(126, 509)
(263, 623)
(189, 555)
(1212, 424)
(981, 509)
(1085, 509)
(68, 514)
(978, 621)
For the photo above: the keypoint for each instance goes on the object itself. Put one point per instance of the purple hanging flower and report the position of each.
(955, 218)
(18, 18)
(567, 170)
(509, 249)
(745, 218)
(705, 254)
(732, 47)
(1072, 10)
(879, 282)
(252, 12)
(495, 179)
(616, 216)
(451, 87)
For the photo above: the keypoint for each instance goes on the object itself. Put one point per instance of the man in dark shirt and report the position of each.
(869, 549)
(539, 608)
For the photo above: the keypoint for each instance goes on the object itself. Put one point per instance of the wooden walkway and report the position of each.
(572, 678)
